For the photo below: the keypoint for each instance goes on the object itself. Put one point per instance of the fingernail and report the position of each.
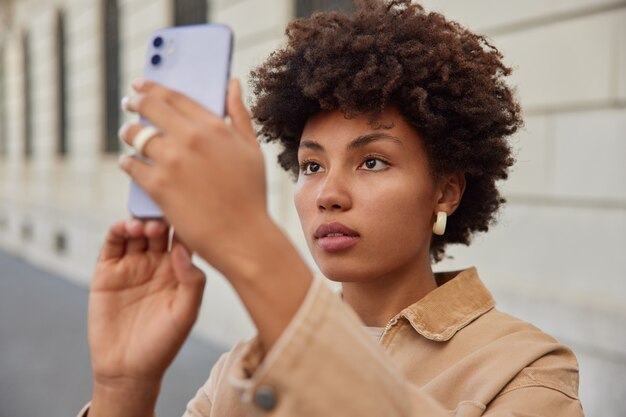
(137, 84)
(130, 223)
(124, 161)
(124, 103)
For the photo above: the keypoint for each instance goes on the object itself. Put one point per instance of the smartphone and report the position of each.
(193, 60)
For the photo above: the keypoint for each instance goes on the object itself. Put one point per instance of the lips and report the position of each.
(334, 228)
(335, 236)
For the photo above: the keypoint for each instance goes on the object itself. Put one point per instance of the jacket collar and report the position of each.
(459, 299)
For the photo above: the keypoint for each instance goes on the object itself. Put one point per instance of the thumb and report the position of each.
(190, 284)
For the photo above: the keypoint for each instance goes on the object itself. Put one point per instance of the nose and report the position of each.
(333, 194)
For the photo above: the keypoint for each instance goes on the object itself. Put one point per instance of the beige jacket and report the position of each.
(449, 354)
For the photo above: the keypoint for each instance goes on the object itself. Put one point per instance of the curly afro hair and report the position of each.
(445, 80)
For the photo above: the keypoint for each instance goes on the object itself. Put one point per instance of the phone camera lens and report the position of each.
(157, 42)
(156, 59)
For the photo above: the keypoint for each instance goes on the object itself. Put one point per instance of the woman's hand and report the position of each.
(207, 174)
(143, 303)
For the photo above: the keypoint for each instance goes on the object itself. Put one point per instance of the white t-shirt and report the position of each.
(376, 332)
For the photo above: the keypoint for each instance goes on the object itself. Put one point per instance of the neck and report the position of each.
(378, 299)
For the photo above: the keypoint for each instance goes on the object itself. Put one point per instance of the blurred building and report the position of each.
(556, 259)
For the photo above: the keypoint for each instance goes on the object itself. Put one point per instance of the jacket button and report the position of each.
(265, 397)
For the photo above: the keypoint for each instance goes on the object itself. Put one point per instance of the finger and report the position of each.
(190, 285)
(157, 242)
(115, 242)
(186, 107)
(136, 245)
(238, 112)
(154, 149)
(155, 228)
(140, 171)
(134, 227)
(158, 111)
(136, 240)
(153, 231)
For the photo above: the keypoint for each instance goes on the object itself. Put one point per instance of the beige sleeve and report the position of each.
(537, 400)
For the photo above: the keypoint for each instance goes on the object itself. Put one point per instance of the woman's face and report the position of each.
(364, 195)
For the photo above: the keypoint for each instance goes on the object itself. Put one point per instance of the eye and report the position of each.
(374, 164)
(310, 167)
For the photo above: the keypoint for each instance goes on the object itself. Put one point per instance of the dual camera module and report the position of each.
(156, 58)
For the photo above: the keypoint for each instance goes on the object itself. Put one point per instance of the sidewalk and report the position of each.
(44, 357)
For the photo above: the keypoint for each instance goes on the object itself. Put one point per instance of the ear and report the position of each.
(450, 189)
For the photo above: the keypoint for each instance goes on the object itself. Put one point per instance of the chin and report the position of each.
(343, 271)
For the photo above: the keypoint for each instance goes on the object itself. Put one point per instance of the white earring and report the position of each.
(439, 228)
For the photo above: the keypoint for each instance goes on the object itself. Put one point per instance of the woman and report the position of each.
(392, 120)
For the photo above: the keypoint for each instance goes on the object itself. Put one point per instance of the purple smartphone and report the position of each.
(194, 60)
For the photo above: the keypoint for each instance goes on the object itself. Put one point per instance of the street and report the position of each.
(44, 356)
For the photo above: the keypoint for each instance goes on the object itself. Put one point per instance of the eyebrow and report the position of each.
(357, 143)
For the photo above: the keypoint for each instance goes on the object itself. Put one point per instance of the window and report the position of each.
(3, 120)
(61, 85)
(190, 12)
(307, 7)
(111, 76)
(27, 96)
